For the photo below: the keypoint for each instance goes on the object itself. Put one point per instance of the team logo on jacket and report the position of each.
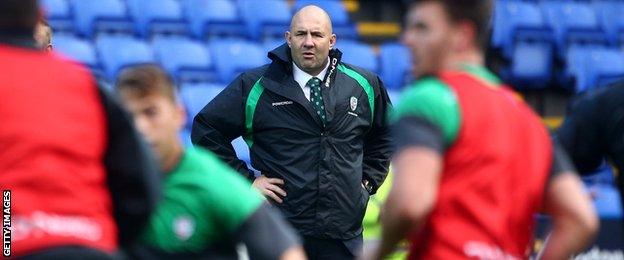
(183, 227)
(353, 103)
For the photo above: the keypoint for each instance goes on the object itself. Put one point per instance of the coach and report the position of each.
(316, 128)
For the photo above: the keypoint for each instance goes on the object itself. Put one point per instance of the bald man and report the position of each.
(317, 133)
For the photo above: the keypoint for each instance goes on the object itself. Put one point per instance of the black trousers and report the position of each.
(331, 249)
(69, 253)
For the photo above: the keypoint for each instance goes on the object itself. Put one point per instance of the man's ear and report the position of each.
(332, 41)
(287, 37)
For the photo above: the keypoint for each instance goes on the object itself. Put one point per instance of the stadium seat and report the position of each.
(573, 23)
(395, 61)
(185, 137)
(606, 201)
(531, 65)
(101, 16)
(214, 18)
(270, 45)
(116, 52)
(77, 49)
(242, 150)
(358, 54)
(59, 15)
(232, 57)
(602, 175)
(516, 21)
(611, 18)
(262, 24)
(594, 66)
(196, 95)
(186, 60)
(342, 26)
(157, 17)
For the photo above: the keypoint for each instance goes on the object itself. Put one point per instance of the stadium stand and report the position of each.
(59, 15)
(232, 57)
(102, 16)
(157, 17)
(262, 24)
(358, 54)
(213, 18)
(395, 64)
(185, 59)
(116, 52)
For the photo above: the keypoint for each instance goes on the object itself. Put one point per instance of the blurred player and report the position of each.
(474, 163)
(207, 206)
(82, 183)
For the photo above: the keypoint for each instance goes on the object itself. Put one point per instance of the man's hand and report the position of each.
(269, 187)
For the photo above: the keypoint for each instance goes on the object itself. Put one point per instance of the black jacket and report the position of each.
(322, 167)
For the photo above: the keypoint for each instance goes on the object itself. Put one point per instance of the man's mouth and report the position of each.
(308, 55)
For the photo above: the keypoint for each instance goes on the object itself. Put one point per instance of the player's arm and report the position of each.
(268, 236)
(425, 123)
(574, 221)
(581, 134)
(220, 122)
(378, 142)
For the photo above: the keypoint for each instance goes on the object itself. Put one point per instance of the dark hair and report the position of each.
(477, 12)
(19, 14)
(146, 79)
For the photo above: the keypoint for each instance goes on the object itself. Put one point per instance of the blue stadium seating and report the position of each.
(573, 23)
(261, 23)
(271, 44)
(101, 16)
(242, 150)
(611, 18)
(607, 201)
(232, 57)
(358, 54)
(342, 26)
(186, 60)
(196, 95)
(185, 136)
(214, 18)
(602, 175)
(591, 67)
(77, 49)
(394, 96)
(518, 21)
(395, 61)
(531, 65)
(117, 52)
(59, 15)
(157, 17)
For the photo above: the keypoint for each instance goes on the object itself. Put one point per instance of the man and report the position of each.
(43, 36)
(473, 163)
(594, 129)
(316, 128)
(207, 207)
(81, 182)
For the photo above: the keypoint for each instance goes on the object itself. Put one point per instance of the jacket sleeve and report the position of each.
(378, 142)
(132, 174)
(581, 135)
(220, 122)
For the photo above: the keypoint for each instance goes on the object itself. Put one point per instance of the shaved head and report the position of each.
(310, 38)
(314, 14)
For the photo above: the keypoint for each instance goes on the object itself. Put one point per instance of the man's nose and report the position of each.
(308, 41)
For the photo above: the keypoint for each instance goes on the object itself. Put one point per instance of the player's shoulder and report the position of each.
(428, 90)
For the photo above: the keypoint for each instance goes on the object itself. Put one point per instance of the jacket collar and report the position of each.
(279, 76)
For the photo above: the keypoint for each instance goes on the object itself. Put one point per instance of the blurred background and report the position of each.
(549, 51)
